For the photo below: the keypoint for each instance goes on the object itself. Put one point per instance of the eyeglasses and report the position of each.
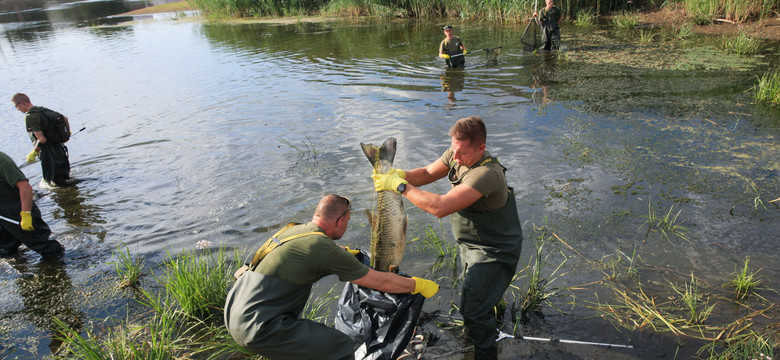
(349, 207)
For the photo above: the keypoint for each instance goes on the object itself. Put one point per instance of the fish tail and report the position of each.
(375, 154)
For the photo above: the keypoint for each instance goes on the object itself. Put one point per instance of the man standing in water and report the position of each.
(484, 220)
(53, 153)
(263, 309)
(452, 45)
(16, 204)
(551, 18)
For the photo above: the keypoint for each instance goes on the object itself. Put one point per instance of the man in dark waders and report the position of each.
(263, 309)
(55, 165)
(550, 18)
(452, 45)
(16, 204)
(484, 220)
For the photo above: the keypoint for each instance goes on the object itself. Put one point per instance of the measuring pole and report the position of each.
(9, 220)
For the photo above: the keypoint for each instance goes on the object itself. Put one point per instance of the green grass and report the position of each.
(695, 304)
(685, 31)
(646, 37)
(129, 268)
(734, 10)
(668, 225)
(587, 18)
(768, 88)
(537, 289)
(753, 345)
(625, 20)
(744, 281)
(445, 252)
(742, 44)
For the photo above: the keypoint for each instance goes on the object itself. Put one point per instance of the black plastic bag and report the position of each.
(380, 324)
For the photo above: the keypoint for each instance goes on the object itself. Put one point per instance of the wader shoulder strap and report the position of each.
(483, 162)
(274, 242)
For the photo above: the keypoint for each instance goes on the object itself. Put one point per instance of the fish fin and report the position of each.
(387, 151)
(369, 216)
(372, 153)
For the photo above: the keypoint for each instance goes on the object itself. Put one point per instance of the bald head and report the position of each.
(329, 210)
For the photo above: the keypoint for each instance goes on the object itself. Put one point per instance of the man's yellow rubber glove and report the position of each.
(26, 222)
(353, 252)
(32, 155)
(401, 173)
(444, 56)
(425, 287)
(465, 52)
(386, 182)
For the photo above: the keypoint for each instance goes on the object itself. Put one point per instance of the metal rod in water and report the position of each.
(503, 335)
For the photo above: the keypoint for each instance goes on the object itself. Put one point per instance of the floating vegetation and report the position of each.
(695, 304)
(614, 266)
(307, 150)
(668, 224)
(768, 88)
(744, 281)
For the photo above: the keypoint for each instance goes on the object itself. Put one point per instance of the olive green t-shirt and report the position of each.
(451, 47)
(32, 120)
(488, 179)
(305, 260)
(9, 172)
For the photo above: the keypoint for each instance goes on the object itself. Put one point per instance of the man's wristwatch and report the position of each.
(401, 187)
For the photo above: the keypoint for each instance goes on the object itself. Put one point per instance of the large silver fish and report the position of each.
(388, 219)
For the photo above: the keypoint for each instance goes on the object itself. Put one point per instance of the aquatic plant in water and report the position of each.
(768, 88)
(744, 281)
(128, 268)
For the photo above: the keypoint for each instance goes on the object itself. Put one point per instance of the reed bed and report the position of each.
(742, 44)
(730, 10)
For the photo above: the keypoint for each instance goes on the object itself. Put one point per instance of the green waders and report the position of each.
(263, 314)
(490, 244)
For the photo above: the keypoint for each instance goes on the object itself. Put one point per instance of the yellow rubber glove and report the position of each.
(425, 287)
(26, 222)
(32, 155)
(353, 252)
(401, 173)
(444, 56)
(386, 182)
(465, 52)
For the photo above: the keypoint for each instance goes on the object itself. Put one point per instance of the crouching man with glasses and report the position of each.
(263, 309)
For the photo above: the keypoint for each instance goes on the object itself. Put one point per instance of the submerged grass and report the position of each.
(768, 88)
(445, 252)
(744, 281)
(537, 290)
(668, 224)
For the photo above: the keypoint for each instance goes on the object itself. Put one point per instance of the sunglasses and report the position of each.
(349, 207)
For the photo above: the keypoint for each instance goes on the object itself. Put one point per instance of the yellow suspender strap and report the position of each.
(274, 242)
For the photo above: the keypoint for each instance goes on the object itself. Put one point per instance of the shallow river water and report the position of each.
(198, 130)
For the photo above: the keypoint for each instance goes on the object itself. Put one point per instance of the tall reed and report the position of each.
(733, 10)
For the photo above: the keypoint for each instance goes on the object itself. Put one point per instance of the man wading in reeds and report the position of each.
(263, 309)
(484, 220)
(550, 18)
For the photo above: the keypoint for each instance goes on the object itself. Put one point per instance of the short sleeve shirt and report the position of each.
(305, 260)
(9, 172)
(550, 17)
(450, 47)
(32, 121)
(488, 179)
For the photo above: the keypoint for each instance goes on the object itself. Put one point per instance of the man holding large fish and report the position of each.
(484, 220)
(263, 309)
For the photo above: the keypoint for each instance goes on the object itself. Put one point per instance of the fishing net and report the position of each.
(531, 38)
(491, 55)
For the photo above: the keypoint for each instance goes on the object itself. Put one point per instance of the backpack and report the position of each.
(52, 124)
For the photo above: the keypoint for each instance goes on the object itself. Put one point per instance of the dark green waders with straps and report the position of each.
(263, 314)
(490, 244)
